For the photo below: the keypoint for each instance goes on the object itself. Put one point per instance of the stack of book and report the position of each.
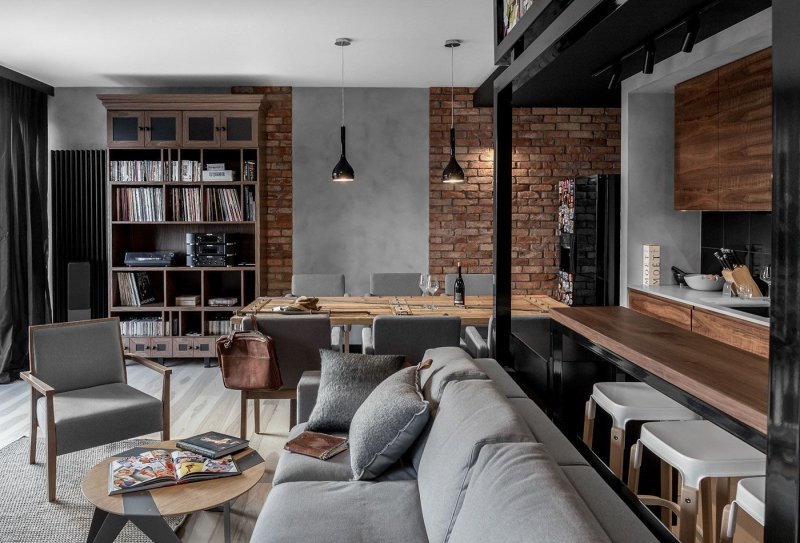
(144, 326)
(139, 204)
(135, 289)
(186, 204)
(138, 171)
(191, 300)
(191, 170)
(250, 170)
(217, 172)
(223, 205)
(218, 327)
(249, 205)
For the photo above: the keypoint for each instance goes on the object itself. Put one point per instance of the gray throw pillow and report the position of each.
(345, 382)
(387, 424)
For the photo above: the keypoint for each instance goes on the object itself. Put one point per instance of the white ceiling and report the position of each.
(400, 43)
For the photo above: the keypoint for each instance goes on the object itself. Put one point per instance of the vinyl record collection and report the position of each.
(138, 204)
(249, 205)
(135, 289)
(185, 204)
(154, 171)
(223, 205)
(144, 326)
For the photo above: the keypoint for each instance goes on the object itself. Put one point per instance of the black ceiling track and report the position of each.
(587, 37)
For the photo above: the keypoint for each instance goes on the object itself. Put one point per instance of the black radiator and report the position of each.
(78, 227)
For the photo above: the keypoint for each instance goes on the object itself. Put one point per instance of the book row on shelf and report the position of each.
(144, 326)
(139, 204)
(186, 204)
(135, 289)
(250, 205)
(218, 327)
(157, 171)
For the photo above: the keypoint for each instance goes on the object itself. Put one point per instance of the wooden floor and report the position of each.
(199, 403)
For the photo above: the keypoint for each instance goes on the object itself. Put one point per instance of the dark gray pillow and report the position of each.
(345, 382)
(387, 423)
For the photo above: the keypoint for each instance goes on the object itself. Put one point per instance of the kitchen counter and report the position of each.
(710, 301)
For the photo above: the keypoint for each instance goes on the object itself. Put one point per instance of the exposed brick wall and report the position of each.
(550, 143)
(276, 191)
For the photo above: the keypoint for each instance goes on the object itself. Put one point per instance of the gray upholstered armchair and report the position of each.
(410, 336)
(79, 392)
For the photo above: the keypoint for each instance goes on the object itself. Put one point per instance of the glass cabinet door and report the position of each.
(239, 128)
(201, 129)
(163, 129)
(126, 129)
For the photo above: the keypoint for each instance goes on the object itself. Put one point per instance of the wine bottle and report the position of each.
(459, 293)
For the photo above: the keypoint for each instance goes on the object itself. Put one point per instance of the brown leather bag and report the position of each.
(248, 362)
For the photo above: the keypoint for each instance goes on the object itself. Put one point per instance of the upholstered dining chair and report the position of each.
(410, 336)
(394, 284)
(79, 392)
(536, 327)
(298, 339)
(476, 284)
(320, 285)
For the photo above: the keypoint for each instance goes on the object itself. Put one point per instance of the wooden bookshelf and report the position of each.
(167, 130)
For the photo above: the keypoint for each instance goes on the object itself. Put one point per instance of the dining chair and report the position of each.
(298, 340)
(394, 284)
(410, 336)
(480, 343)
(475, 284)
(320, 285)
(79, 392)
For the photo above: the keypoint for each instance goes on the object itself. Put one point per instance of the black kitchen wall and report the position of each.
(749, 234)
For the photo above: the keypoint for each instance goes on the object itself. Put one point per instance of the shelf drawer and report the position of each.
(205, 347)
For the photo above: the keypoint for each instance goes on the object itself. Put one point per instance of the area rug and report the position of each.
(25, 513)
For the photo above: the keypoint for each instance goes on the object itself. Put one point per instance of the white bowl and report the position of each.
(702, 281)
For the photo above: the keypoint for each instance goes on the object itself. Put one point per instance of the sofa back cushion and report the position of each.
(471, 414)
(518, 488)
(448, 364)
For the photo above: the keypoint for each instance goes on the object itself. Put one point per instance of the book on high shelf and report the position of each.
(216, 167)
(162, 467)
(191, 300)
(219, 175)
(213, 444)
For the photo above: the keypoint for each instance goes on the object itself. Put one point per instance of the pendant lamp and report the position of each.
(452, 172)
(343, 171)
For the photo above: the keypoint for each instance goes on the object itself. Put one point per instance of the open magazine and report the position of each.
(156, 468)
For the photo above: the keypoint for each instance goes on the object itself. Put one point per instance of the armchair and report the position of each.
(79, 392)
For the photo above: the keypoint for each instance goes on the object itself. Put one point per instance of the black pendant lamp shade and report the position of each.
(343, 171)
(452, 172)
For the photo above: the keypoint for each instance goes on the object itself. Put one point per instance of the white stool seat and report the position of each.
(700, 449)
(637, 401)
(750, 497)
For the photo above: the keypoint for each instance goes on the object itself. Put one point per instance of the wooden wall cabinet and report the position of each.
(227, 129)
(723, 137)
(735, 332)
(144, 129)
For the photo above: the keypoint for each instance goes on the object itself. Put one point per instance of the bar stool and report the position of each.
(700, 451)
(750, 498)
(627, 402)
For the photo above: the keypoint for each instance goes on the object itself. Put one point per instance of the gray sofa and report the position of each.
(490, 466)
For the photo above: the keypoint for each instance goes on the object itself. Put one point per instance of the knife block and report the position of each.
(741, 276)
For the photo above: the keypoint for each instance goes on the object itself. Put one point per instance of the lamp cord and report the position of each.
(452, 92)
(342, 86)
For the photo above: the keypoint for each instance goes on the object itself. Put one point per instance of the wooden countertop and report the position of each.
(726, 378)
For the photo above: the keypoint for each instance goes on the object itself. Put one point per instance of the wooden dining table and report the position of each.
(362, 310)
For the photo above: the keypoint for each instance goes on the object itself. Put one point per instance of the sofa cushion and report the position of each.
(470, 415)
(351, 512)
(547, 433)
(387, 424)
(502, 380)
(293, 467)
(449, 364)
(519, 489)
(346, 379)
(89, 417)
(619, 522)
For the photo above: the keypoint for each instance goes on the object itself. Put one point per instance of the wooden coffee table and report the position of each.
(147, 508)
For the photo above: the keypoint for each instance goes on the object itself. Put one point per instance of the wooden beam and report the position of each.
(23, 79)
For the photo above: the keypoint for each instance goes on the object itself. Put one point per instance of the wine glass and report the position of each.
(766, 275)
(423, 283)
(433, 286)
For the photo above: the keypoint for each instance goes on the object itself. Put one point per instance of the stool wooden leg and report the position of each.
(588, 423)
(617, 453)
(257, 415)
(721, 500)
(666, 492)
(707, 509)
(243, 417)
(728, 525)
(633, 467)
(687, 520)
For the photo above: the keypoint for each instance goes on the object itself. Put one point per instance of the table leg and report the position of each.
(105, 527)
(156, 528)
(346, 338)
(227, 521)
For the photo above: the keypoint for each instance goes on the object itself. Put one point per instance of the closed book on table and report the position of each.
(317, 445)
(213, 444)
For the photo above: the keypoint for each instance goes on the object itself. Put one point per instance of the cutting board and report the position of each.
(741, 276)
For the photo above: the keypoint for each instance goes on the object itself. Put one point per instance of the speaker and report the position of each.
(79, 297)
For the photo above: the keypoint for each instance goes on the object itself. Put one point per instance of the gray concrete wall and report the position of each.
(77, 119)
(379, 222)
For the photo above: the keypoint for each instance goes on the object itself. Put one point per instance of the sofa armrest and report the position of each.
(367, 346)
(476, 345)
(307, 389)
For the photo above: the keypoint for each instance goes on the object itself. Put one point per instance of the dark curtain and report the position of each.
(24, 298)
